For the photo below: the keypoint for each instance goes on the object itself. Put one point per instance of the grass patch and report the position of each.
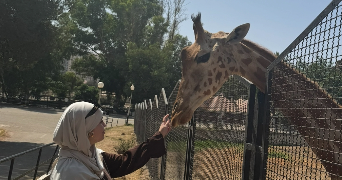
(277, 154)
(202, 145)
(2, 133)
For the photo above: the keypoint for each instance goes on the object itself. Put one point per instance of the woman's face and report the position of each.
(98, 133)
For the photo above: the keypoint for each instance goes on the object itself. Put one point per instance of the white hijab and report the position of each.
(71, 134)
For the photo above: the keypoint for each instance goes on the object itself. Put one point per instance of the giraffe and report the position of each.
(213, 57)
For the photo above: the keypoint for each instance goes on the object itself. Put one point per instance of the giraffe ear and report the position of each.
(238, 34)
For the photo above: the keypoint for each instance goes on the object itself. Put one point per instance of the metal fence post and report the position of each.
(249, 134)
(37, 164)
(11, 169)
(266, 124)
(54, 154)
(259, 149)
(145, 119)
(189, 159)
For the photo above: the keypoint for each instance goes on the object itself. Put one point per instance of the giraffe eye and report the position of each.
(202, 59)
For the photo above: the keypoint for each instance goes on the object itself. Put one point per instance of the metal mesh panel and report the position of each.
(176, 146)
(220, 133)
(153, 126)
(305, 115)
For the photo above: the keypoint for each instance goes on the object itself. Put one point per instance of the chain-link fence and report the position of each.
(293, 131)
(211, 146)
(304, 90)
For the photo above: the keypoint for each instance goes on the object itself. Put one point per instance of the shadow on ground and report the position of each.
(40, 109)
(25, 162)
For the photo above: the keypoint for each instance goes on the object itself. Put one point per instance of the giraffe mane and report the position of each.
(266, 53)
(270, 56)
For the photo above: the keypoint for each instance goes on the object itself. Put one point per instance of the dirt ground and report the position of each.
(225, 163)
(301, 163)
(291, 163)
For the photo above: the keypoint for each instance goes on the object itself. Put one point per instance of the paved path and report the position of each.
(30, 127)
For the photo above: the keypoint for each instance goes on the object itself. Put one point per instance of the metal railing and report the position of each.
(48, 162)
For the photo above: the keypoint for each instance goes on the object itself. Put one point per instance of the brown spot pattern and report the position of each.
(207, 92)
(214, 89)
(197, 88)
(229, 60)
(226, 74)
(240, 52)
(222, 64)
(218, 76)
(243, 72)
(247, 61)
(205, 84)
(232, 69)
(210, 73)
(214, 69)
(263, 62)
(210, 81)
(259, 74)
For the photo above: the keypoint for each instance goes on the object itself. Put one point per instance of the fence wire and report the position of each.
(305, 90)
(300, 136)
(220, 133)
(217, 135)
(176, 145)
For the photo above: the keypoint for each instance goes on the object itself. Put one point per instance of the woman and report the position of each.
(77, 132)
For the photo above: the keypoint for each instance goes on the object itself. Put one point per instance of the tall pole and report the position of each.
(99, 97)
(129, 108)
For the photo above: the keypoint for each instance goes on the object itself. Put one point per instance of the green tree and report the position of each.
(30, 50)
(103, 30)
(120, 40)
(71, 81)
(87, 93)
(325, 73)
(148, 70)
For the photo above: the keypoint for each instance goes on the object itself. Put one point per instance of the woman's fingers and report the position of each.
(165, 118)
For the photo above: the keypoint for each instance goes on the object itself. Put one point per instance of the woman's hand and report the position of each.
(165, 126)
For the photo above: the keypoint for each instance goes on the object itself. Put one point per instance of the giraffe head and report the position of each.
(208, 63)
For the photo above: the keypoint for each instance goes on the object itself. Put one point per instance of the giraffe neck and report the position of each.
(316, 116)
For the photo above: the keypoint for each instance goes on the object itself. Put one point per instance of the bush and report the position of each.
(124, 145)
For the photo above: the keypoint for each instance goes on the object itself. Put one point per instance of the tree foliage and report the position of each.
(28, 46)
(127, 43)
(120, 42)
(325, 73)
(87, 93)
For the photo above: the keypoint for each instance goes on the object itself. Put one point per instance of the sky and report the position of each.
(275, 24)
